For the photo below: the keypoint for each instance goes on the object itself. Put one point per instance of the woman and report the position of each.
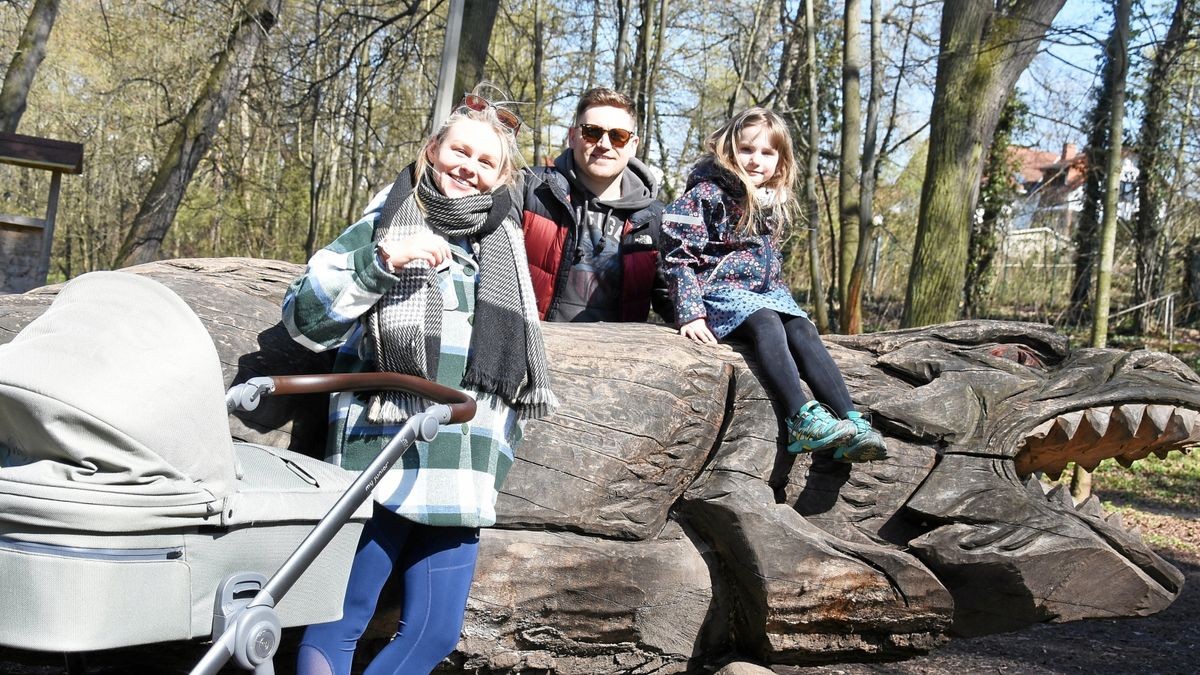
(403, 289)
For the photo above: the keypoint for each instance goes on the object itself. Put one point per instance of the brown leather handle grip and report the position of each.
(462, 407)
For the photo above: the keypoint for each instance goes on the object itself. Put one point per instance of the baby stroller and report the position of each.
(128, 515)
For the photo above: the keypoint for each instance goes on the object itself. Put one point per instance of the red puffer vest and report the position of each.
(549, 225)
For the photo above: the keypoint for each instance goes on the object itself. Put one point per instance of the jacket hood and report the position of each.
(638, 184)
(708, 171)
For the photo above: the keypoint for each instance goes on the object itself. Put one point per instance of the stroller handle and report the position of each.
(462, 406)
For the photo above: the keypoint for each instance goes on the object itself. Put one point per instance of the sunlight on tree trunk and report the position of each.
(1081, 480)
(983, 50)
(810, 178)
(852, 308)
(31, 49)
(479, 17)
(225, 81)
(850, 167)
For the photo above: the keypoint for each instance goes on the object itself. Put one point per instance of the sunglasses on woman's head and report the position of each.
(592, 134)
(479, 104)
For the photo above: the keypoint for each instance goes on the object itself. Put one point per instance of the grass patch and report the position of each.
(1161, 485)
(1161, 531)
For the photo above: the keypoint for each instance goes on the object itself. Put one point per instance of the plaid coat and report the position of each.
(453, 480)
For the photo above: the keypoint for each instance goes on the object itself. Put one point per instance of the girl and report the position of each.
(720, 252)
(404, 289)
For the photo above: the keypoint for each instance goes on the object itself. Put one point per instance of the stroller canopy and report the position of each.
(112, 413)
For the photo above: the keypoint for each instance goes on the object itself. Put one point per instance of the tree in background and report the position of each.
(996, 195)
(850, 167)
(31, 49)
(225, 81)
(1118, 56)
(1156, 163)
(1086, 235)
(985, 46)
(869, 176)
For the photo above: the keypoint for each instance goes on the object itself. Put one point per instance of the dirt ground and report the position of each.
(1165, 643)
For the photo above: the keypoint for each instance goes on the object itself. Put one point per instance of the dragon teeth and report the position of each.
(1127, 432)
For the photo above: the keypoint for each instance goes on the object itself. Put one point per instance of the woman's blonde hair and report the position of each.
(510, 155)
(723, 144)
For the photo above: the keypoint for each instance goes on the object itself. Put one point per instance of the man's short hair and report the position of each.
(598, 96)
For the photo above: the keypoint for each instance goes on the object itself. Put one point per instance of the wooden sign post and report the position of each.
(25, 241)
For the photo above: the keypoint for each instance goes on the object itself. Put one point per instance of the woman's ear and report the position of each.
(431, 149)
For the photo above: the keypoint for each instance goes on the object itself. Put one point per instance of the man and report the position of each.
(592, 219)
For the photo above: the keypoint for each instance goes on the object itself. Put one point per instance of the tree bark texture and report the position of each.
(31, 49)
(815, 266)
(983, 50)
(144, 241)
(852, 310)
(1119, 57)
(479, 17)
(850, 167)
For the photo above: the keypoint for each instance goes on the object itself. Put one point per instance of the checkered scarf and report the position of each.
(507, 357)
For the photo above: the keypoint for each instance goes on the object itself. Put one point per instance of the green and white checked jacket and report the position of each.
(455, 479)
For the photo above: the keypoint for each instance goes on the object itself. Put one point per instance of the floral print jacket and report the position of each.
(702, 251)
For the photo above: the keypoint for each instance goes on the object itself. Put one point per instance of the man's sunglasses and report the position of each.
(592, 134)
(479, 104)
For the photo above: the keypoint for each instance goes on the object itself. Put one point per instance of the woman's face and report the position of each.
(468, 160)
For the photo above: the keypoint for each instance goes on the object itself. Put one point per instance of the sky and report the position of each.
(1058, 84)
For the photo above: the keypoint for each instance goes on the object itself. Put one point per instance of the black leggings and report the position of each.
(790, 351)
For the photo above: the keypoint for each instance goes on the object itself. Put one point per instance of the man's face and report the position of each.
(601, 159)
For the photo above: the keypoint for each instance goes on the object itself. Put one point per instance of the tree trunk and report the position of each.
(1153, 161)
(810, 177)
(1112, 183)
(983, 50)
(479, 16)
(621, 57)
(651, 87)
(591, 62)
(144, 240)
(848, 171)
(31, 49)
(1081, 483)
(539, 85)
(852, 308)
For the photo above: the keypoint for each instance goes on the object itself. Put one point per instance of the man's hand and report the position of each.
(697, 330)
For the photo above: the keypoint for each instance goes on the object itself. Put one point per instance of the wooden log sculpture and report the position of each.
(655, 524)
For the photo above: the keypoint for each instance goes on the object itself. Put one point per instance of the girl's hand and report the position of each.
(697, 330)
(425, 246)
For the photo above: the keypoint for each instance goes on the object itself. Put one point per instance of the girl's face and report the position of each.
(468, 159)
(756, 155)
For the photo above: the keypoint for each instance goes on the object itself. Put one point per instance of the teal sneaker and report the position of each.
(813, 427)
(867, 445)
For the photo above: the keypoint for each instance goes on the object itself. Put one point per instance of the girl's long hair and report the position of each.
(722, 145)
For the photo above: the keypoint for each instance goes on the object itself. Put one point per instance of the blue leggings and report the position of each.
(437, 563)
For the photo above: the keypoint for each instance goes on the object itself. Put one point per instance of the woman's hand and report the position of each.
(425, 246)
(697, 330)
